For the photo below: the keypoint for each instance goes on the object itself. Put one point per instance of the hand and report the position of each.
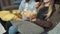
(33, 20)
(19, 15)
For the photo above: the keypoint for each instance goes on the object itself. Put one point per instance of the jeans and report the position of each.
(12, 30)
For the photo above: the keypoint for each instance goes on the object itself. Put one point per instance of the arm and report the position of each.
(21, 5)
(42, 23)
(45, 24)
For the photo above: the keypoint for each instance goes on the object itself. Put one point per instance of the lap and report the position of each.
(26, 27)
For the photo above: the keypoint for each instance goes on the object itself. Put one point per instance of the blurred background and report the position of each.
(9, 4)
(14, 4)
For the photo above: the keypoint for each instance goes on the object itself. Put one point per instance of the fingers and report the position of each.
(33, 20)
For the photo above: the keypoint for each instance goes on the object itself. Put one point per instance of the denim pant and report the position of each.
(12, 30)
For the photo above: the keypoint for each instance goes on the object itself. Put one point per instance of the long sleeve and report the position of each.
(43, 23)
(31, 5)
(21, 7)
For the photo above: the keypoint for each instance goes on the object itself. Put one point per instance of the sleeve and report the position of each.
(21, 5)
(31, 5)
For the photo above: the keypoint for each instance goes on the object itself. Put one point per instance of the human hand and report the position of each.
(19, 15)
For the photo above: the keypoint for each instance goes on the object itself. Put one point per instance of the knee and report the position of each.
(12, 30)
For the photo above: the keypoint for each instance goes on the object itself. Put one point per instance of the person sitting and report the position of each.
(41, 24)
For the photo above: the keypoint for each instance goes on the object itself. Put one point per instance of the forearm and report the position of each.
(43, 23)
